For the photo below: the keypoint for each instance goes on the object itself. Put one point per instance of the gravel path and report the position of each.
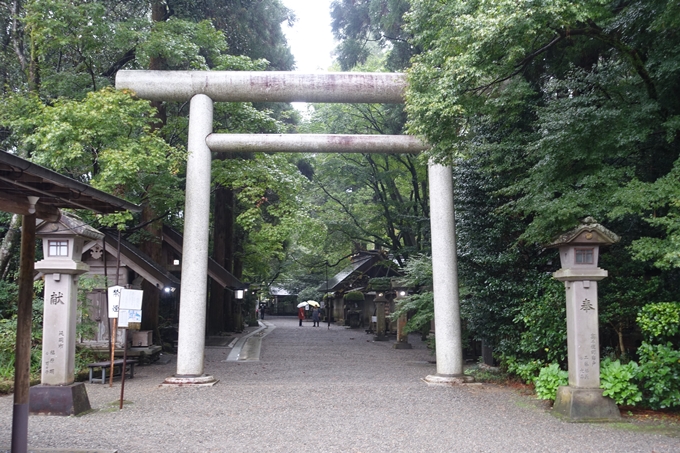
(319, 390)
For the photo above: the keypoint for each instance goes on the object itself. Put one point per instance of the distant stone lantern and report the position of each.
(402, 336)
(380, 301)
(63, 242)
(582, 399)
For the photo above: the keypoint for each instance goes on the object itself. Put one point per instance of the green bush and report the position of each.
(8, 335)
(548, 381)
(354, 296)
(541, 323)
(659, 373)
(617, 380)
(9, 294)
(380, 283)
(660, 321)
(527, 371)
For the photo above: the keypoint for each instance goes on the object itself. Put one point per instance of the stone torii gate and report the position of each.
(202, 88)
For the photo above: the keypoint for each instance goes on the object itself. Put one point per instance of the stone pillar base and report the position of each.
(190, 381)
(402, 345)
(448, 379)
(58, 399)
(584, 405)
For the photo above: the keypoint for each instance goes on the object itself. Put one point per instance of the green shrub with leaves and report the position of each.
(659, 373)
(380, 283)
(354, 296)
(9, 294)
(7, 342)
(527, 371)
(86, 326)
(659, 322)
(618, 382)
(541, 322)
(418, 306)
(8, 336)
(549, 380)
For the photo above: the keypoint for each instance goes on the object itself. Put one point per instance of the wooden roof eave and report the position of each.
(215, 271)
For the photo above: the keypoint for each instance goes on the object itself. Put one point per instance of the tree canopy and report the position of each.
(548, 110)
(551, 112)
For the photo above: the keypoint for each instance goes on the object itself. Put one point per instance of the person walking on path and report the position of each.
(262, 309)
(301, 314)
(315, 316)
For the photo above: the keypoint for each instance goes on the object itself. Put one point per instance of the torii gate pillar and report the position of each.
(447, 329)
(194, 288)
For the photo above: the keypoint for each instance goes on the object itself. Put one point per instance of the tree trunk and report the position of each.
(153, 248)
(230, 210)
(216, 307)
(152, 295)
(619, 333)
(8, 243)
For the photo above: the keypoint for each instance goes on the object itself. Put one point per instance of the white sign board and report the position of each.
(114, 300)
(131, 299)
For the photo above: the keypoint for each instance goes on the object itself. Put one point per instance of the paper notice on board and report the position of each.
(135, 316)
(131, 299)
(123, 319)
(128, 317)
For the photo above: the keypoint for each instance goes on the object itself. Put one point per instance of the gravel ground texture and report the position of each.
(316, 389)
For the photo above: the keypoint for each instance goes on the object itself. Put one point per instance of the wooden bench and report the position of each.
(117, 364)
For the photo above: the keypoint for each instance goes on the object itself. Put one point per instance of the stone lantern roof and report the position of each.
(69, 224)
(588, 232)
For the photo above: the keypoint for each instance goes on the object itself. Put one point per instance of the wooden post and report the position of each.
(122, 377)
(23, 347)
(115, 320)
(113, 349)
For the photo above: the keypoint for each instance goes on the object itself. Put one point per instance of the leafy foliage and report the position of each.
(660, 321)
(354, 296)
(527, 371)
(9, 295)
(105, 140)
(659, 373)
(380, 283)
(549, 379)
(364, 25)
(550, 112)
(251, 27)
(8, 332)
(618, 382)
(419, 306)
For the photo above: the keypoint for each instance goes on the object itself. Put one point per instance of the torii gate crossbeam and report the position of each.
(203, 88)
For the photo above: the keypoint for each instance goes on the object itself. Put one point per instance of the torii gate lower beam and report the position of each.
(204, 87)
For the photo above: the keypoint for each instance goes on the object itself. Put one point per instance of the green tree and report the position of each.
(251, 27)
(564, 110)
(364, 26)
(68, 51)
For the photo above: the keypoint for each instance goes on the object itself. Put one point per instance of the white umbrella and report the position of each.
(302, 304)
(313, 303)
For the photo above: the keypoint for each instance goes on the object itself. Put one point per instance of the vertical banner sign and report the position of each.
(115, 293)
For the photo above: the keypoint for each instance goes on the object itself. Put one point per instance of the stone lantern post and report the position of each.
(379, 301)
(402, 336)
(63, 243)
(582, 399)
